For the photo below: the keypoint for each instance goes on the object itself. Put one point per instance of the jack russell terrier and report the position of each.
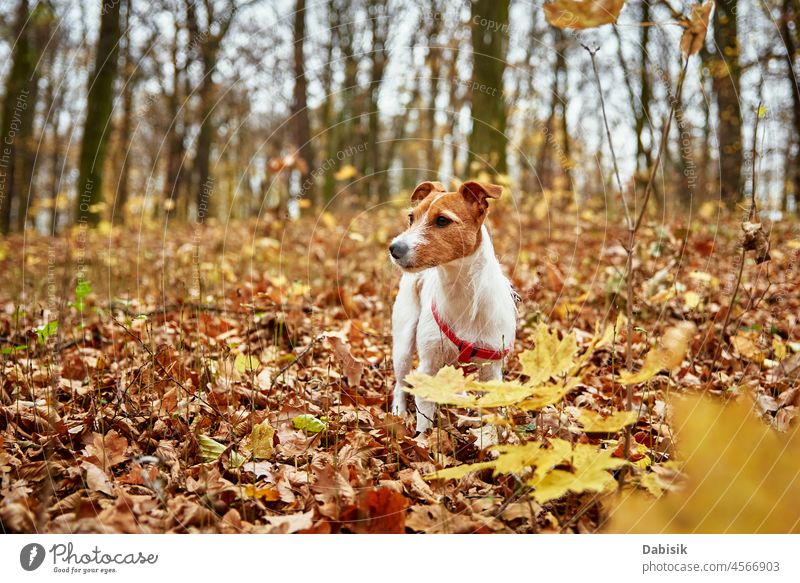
(454, 303)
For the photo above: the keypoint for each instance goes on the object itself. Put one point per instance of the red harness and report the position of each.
(466, 350)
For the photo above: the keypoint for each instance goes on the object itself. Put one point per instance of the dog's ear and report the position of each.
(423, 189)
(478, 192)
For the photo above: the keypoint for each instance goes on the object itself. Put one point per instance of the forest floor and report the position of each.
(256, 401)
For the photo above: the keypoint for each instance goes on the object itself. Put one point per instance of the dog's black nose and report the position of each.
(398, 249)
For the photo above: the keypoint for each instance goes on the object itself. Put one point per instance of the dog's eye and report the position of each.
(410, 219)
(442, 221)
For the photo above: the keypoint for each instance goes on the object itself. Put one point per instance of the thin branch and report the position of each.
(592, 53)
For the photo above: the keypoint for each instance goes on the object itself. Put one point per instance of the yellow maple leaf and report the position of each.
(668, 355)
(741, 476)
(595, 423)
(550, 356)
(448, 387)
(590, 474)
(547, 395)
(514, 459)
(503, 394)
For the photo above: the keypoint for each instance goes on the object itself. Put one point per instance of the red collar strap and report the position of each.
(466, 350)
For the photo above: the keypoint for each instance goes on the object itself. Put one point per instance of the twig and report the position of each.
(592, 53)
(291, 364)
(164, 370)
(750, 215)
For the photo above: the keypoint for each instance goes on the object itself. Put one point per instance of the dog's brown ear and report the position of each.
(423, 189)
(480, 191)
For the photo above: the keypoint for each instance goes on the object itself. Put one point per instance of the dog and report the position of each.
(453, 304)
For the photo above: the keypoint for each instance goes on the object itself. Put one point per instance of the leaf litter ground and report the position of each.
(236, 378)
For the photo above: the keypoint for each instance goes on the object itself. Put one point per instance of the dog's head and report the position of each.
(442, 226)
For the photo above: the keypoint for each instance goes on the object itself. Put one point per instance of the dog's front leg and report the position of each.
(405, 315)
(491, 371)
(429, 364)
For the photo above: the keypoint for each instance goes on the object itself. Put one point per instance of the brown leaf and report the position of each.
(696, 28)
(437, 519)
(291, 523)
(96, 479)
(384, 510)
(108, 449)
(582, 13)
(353, 368)
(755, 239)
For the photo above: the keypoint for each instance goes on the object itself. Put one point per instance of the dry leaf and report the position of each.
(741, 477)
(353, 368)
(582, 13)
(667, 356)
(696, 28)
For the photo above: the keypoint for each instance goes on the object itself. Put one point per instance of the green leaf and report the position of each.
(83, 289)
(309, 424)
(45, 331)
(210, 450)
(13, 349)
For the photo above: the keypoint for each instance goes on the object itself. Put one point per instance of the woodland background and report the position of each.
(196, 199)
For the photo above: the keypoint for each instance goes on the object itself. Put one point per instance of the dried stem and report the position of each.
(750, 216)
(592, 53)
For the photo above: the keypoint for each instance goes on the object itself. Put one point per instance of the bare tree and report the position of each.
(727, 87)
(488, 140)
(99, 104)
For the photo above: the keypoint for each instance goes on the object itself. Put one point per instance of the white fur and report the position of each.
(475, 299)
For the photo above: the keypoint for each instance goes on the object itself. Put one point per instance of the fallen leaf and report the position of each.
(593, 422)
(260, 442)
(550, 356)
(668, 355)
(741, 476)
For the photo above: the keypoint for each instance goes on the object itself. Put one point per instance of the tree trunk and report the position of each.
(300, 118)
(20, 87)
(435, 67)
(202, 163)
(791, 10)
(123, 163)
(565, 162)
(379, 28)
(488, 140)
(727, 73)
(99, 105)
(172, 168)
